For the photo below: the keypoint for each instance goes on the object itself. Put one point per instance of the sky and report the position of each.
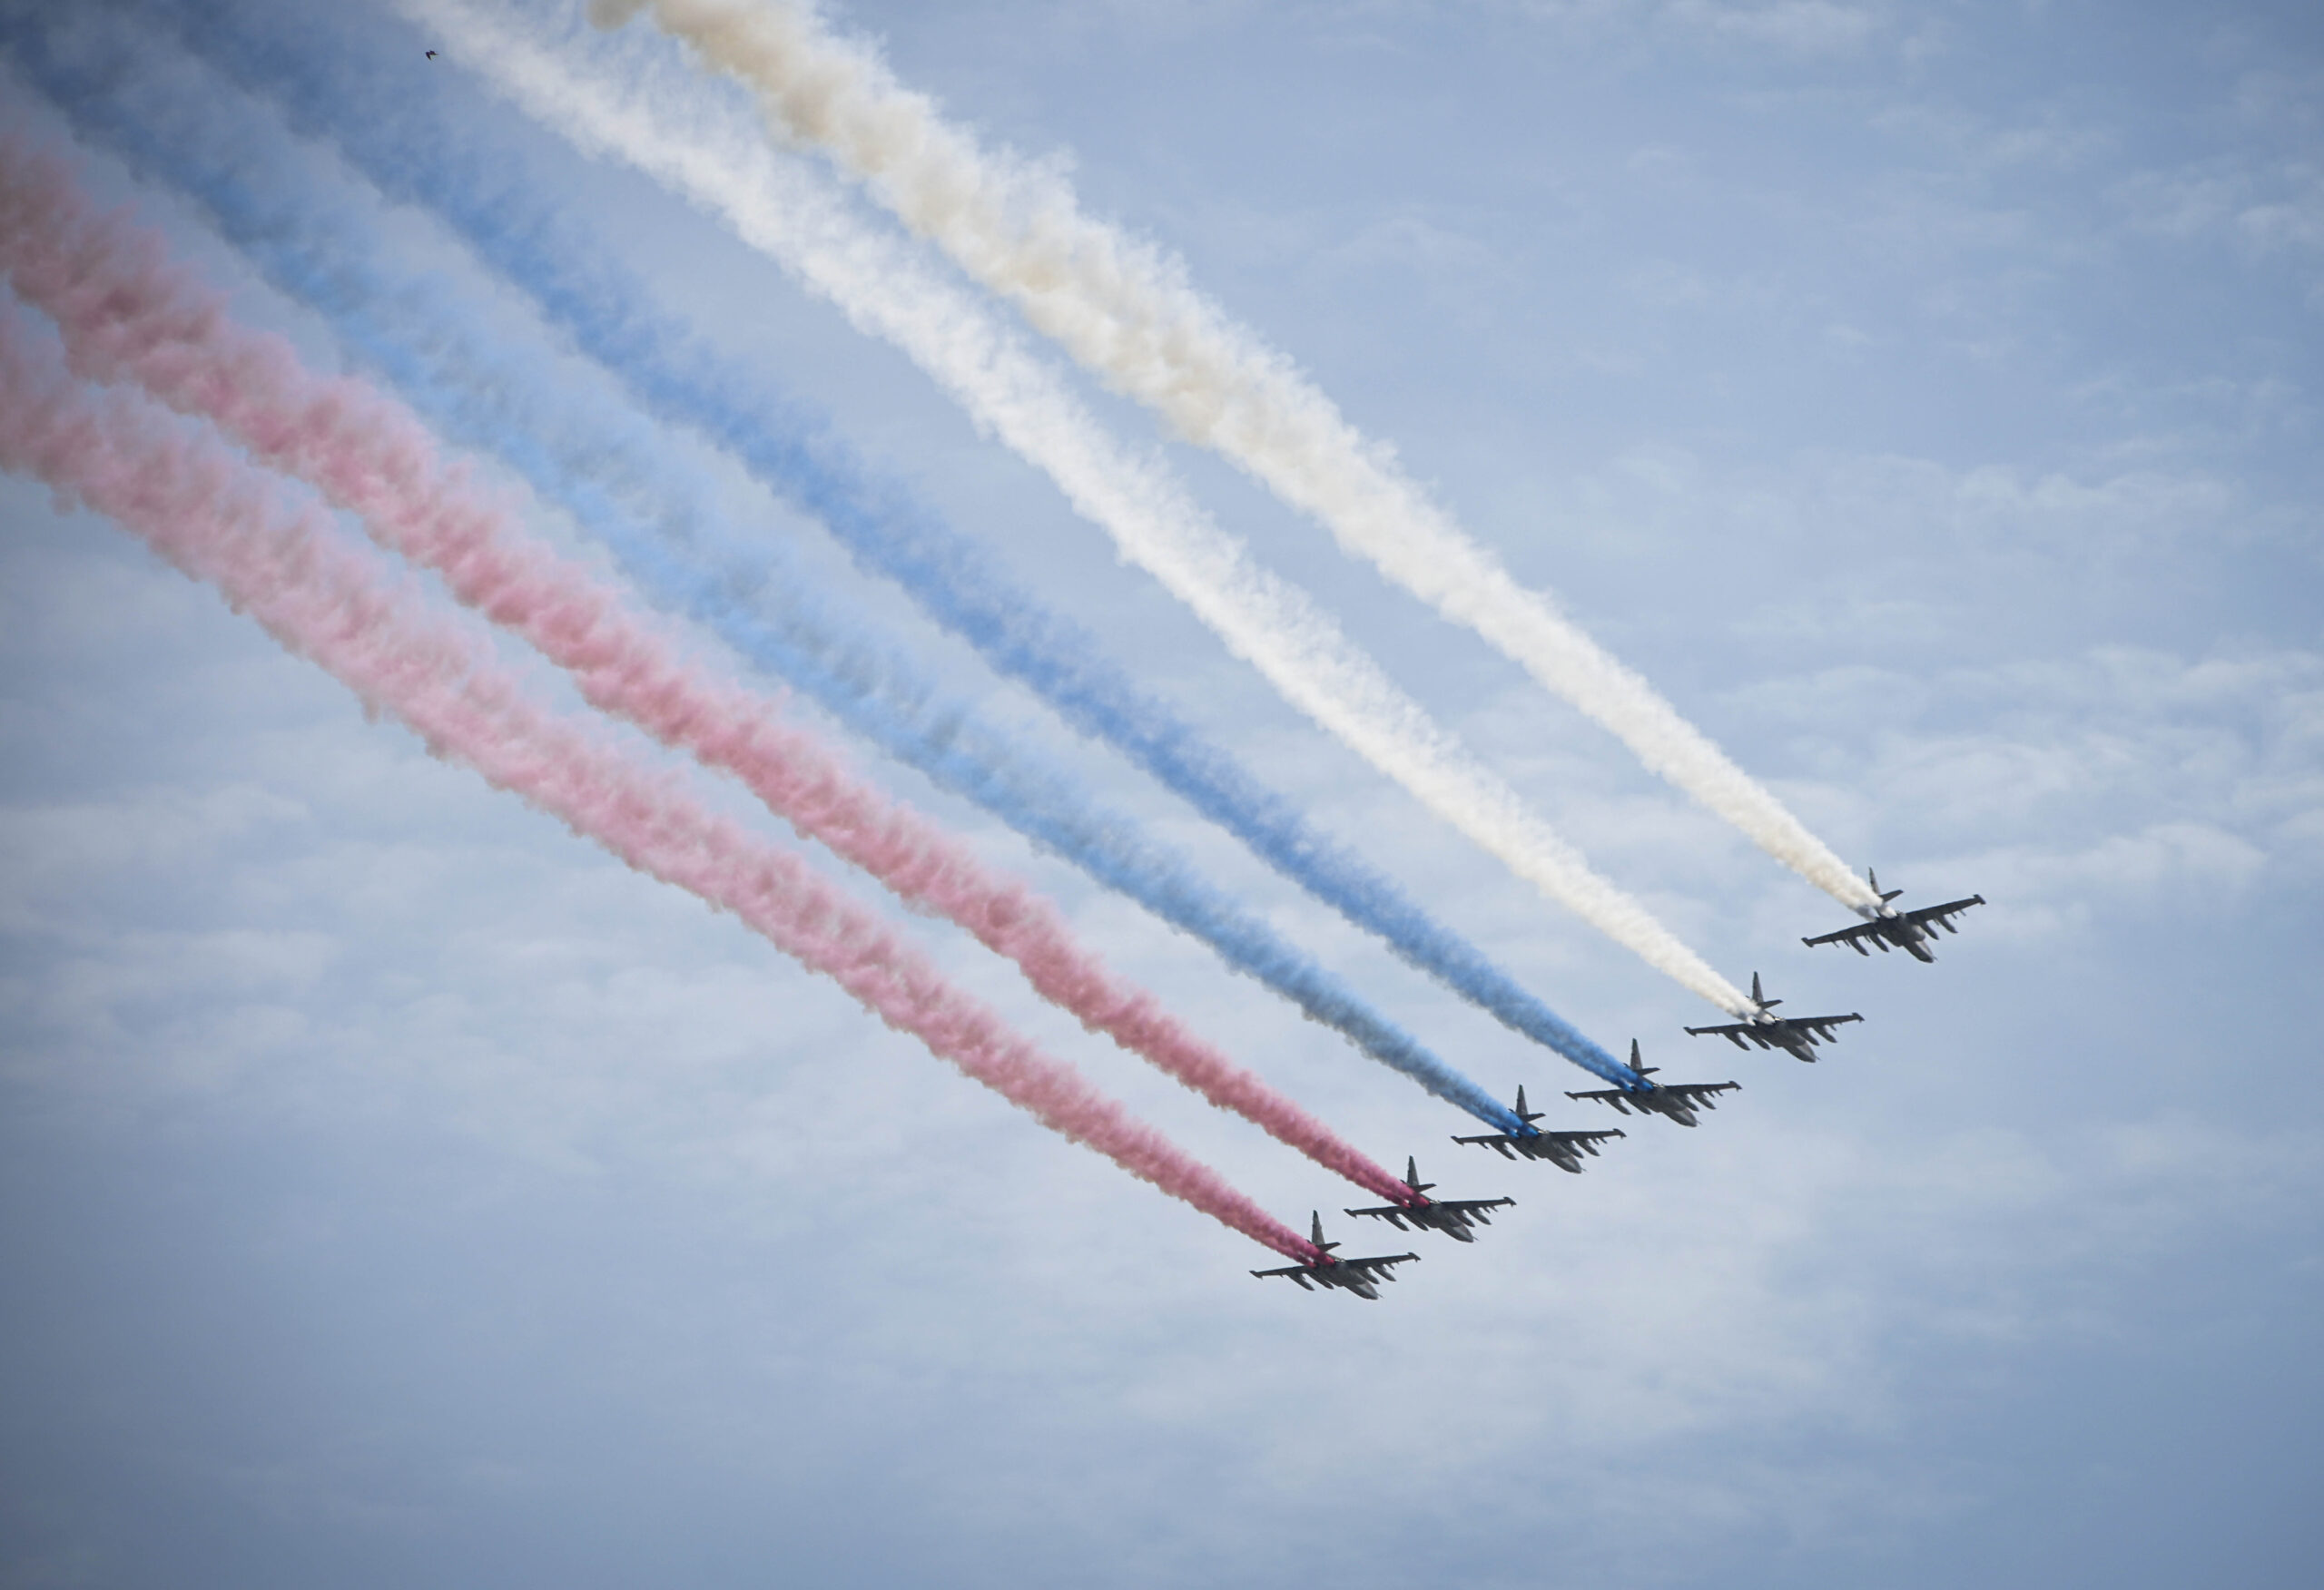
(395, 1187)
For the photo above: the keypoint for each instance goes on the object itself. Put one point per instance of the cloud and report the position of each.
(2040, 892)
(2121, 772)
(41, 845)
(1802, 27)
(451, 1166)
(2269, 207)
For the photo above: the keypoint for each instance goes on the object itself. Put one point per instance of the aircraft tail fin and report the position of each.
(1759, 996)
(1639, 1065)
(1522, 1113)
(1873, 879)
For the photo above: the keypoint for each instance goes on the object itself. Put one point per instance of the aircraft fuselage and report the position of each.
(1657, 1101)
(1328, 1275)
(1423, 1216)
(1549, 1148)
(1432, 1217)
(1560, 1149)
(1893, 927)
(1780, 1034)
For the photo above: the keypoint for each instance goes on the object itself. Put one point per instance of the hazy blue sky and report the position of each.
(395, 1190)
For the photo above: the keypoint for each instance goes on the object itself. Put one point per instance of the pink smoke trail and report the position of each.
(127, 312)
(224, 521)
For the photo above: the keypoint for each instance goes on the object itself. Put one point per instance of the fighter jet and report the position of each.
(1453, 1217)
(1676, 1100)
(1361, 1276)
(1885, 925)
(1798, 1035)
(1561, 1149)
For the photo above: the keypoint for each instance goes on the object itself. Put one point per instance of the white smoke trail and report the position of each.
(1124, 310)
(784, 211)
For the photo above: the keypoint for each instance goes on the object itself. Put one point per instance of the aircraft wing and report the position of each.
(1612, 1095)
(1298, 1273)
(1853, 937)
(1759, 1033)
(1700, 1092)
(1379, 1266)
(1476, 1206)
(1941, 916)
(1497, 1140)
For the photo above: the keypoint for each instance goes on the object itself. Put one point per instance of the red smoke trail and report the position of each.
(128, 313)
(223, 521)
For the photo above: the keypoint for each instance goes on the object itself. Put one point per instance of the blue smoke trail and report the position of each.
(449, 366)
(406, 145)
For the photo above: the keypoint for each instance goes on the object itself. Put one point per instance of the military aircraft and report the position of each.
(1561, 1149)
(1885, 925)
(1796, 1034)
(1359, 1276)
(1453, 1217)
(1678, 1101)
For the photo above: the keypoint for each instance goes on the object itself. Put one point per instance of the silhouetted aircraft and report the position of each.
(1561, 1149)
(1359, 1276)
(1451, 1216)
(1798, 1034)
(1885, 925)
(1677, 1101)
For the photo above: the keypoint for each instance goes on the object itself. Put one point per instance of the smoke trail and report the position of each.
(606, 470)
(778, 209)
(126, 314)
(400, 135)
(219, 520)
(1124, 312)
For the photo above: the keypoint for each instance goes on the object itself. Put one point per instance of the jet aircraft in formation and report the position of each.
(1361, 1276)
(1561, 1149)
(1452, 1216)
(1674, 1100)
(1795, 1035)
(1885, 925)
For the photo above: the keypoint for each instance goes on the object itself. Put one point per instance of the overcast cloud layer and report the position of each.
(395, 1190)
